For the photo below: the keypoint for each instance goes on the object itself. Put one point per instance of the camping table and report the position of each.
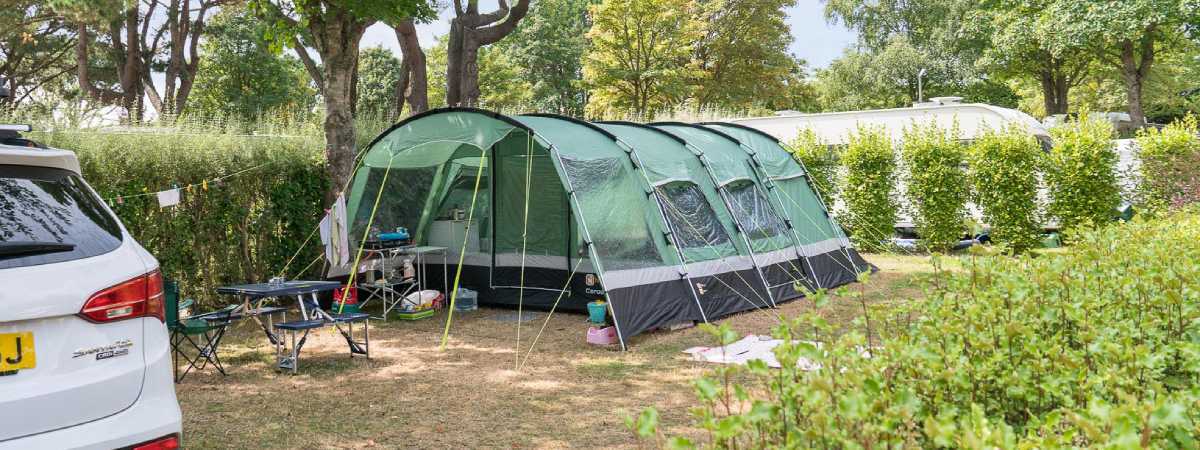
(260, 292)
(387, 291)
(422, 271)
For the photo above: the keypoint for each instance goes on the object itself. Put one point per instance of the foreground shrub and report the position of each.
(821, 161)
(1170, 169)
(243, 229)
(1081, 173)
(1095, 347)
(1003, 172)
(867, 190)
(936, 184)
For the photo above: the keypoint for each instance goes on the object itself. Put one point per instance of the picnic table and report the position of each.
(312, 316)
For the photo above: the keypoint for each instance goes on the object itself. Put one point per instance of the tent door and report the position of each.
(542, 237)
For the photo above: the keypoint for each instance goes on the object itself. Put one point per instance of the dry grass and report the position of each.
(411, 395)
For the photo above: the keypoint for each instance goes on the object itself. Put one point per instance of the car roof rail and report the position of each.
(10, 133)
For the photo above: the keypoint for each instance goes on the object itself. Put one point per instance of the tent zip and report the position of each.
(587, 235)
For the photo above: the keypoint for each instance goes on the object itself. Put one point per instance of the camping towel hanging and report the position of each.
(334, 234)
(168, 197)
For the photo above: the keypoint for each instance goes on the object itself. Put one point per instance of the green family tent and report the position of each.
(669, 222)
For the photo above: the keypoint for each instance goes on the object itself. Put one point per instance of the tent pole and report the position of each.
(837, 227)
(462, 253)
(366, 232)
(587, 236)
(723, 192)
(687, 274)
(782, 210)
(524, 240)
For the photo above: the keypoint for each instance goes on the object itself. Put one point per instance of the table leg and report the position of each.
(303, 310)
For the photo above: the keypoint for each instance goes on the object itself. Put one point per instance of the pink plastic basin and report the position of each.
(602, 336)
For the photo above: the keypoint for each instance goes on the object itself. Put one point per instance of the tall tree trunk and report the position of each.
(131, 73)
(454, 63)
(1062, 91)
(469, 86)
(416, 89)
(1055, 89)
(469, 31)
(175, 59)
(83, 73)
(338, 40)
(401, 91)
(1135, 68)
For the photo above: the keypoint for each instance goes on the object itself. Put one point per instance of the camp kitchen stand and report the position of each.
(311, 317)
(392, 290)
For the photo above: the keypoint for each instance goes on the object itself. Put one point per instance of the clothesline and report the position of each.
(202, 184)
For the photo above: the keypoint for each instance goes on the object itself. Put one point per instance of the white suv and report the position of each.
(85, 358)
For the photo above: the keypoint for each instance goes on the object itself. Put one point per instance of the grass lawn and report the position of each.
(411, 395)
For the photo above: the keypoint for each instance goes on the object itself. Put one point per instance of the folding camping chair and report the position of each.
(190, 334)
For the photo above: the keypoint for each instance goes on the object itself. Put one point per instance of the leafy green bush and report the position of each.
(936, 184)
(821, 161)
(1095, 347)
(243, 229)
(868, 188)
(1004, 173)
(1170, 160)
(1081, 173)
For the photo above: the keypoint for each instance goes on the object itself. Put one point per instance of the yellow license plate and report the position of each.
(16, 351)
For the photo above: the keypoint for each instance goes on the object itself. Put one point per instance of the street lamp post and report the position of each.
(920, 90)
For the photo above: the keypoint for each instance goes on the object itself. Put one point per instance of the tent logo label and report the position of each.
(701, 288)
(590, 280)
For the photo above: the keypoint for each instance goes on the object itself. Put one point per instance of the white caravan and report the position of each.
(972, 120)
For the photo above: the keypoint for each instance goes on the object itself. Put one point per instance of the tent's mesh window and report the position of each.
(698, 231)
(400, 201)
(754, 213)
(612, 206)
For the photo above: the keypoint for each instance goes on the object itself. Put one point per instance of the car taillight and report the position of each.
(164, 443)
(139, 297)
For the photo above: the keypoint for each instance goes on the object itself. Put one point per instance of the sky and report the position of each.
(813, 39)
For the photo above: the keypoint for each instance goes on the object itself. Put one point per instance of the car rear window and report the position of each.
(41, 204)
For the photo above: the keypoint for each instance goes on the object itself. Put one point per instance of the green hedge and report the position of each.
(1081, 173)
(244, 229)
(868, 188)
(821, 161)
(936, 184)
(1170, 171)
(1004, 173)
(1098, 347)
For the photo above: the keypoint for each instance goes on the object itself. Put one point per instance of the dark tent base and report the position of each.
(673, 303)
